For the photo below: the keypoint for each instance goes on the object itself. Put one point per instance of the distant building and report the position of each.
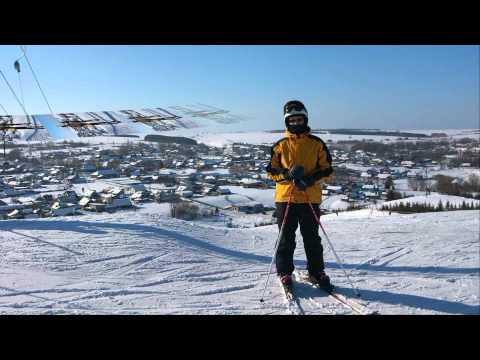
(105, 173)
(248, 208)
(384, 176)
(334, 189)
(407, 163)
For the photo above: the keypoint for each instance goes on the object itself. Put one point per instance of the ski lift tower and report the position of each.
(8, 128)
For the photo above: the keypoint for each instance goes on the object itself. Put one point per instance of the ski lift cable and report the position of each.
(36, 79)
(14, 94)
(4, 110)
(17, 67)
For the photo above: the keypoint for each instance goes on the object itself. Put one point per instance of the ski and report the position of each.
(292, 301)
(342, 299)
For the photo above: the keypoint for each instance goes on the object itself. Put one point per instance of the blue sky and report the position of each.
(391, 87)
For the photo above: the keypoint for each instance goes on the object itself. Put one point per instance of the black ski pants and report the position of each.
(299, 214)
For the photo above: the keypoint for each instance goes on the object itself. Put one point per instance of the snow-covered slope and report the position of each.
(334, 202)
(221, 136)
(143, 262)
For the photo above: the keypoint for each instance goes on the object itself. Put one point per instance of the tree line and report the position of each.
(421, 208)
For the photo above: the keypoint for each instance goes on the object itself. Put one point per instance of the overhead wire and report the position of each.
(36, 79)
(14, 94)
(4, 110)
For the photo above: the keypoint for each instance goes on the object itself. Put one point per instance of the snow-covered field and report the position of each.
(264, 196)
(463, 173)
(259, 137)
(225, 134)
(143, 262)
(334, 202)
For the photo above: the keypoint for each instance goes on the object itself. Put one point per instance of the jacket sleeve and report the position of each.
(324, 165)
(275, 171)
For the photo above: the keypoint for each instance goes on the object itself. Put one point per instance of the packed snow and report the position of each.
(144, 262)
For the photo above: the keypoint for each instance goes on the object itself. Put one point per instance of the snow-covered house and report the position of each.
(184, 191)
(116, 199)
(371, 195)
(60, 208)
(141, 196)
(133, 188)
(384, 176)
(15, 214)
(248, 208)
(224, 191)
(75, 179)
(105, 173)
(68, 196)
(7, 208)
(84, 201)
(334, 189)
(251, 183)
(210, 179)
(164, 195)
(414, 174)
(208, 162)
(407, 163)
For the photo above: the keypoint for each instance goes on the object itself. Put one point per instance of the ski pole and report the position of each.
(331, 246)
(277, 243)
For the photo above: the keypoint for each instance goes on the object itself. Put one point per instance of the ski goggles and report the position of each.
(295, 113)
(293, 107)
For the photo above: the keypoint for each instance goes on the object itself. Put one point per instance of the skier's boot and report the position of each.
(285, 279)
(322, 280)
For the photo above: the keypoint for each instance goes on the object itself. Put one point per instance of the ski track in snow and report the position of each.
(146, 263)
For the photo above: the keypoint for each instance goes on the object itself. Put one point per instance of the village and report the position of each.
(59, 179)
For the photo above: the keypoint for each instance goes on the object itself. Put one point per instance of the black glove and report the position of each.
(295, 173)
(309, 180)
(304, 183)
(300, 184)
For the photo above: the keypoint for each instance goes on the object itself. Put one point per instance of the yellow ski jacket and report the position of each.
(306, 150)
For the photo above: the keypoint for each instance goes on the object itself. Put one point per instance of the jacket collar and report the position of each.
(288, 134)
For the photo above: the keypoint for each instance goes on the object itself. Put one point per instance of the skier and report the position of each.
(299, 160)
